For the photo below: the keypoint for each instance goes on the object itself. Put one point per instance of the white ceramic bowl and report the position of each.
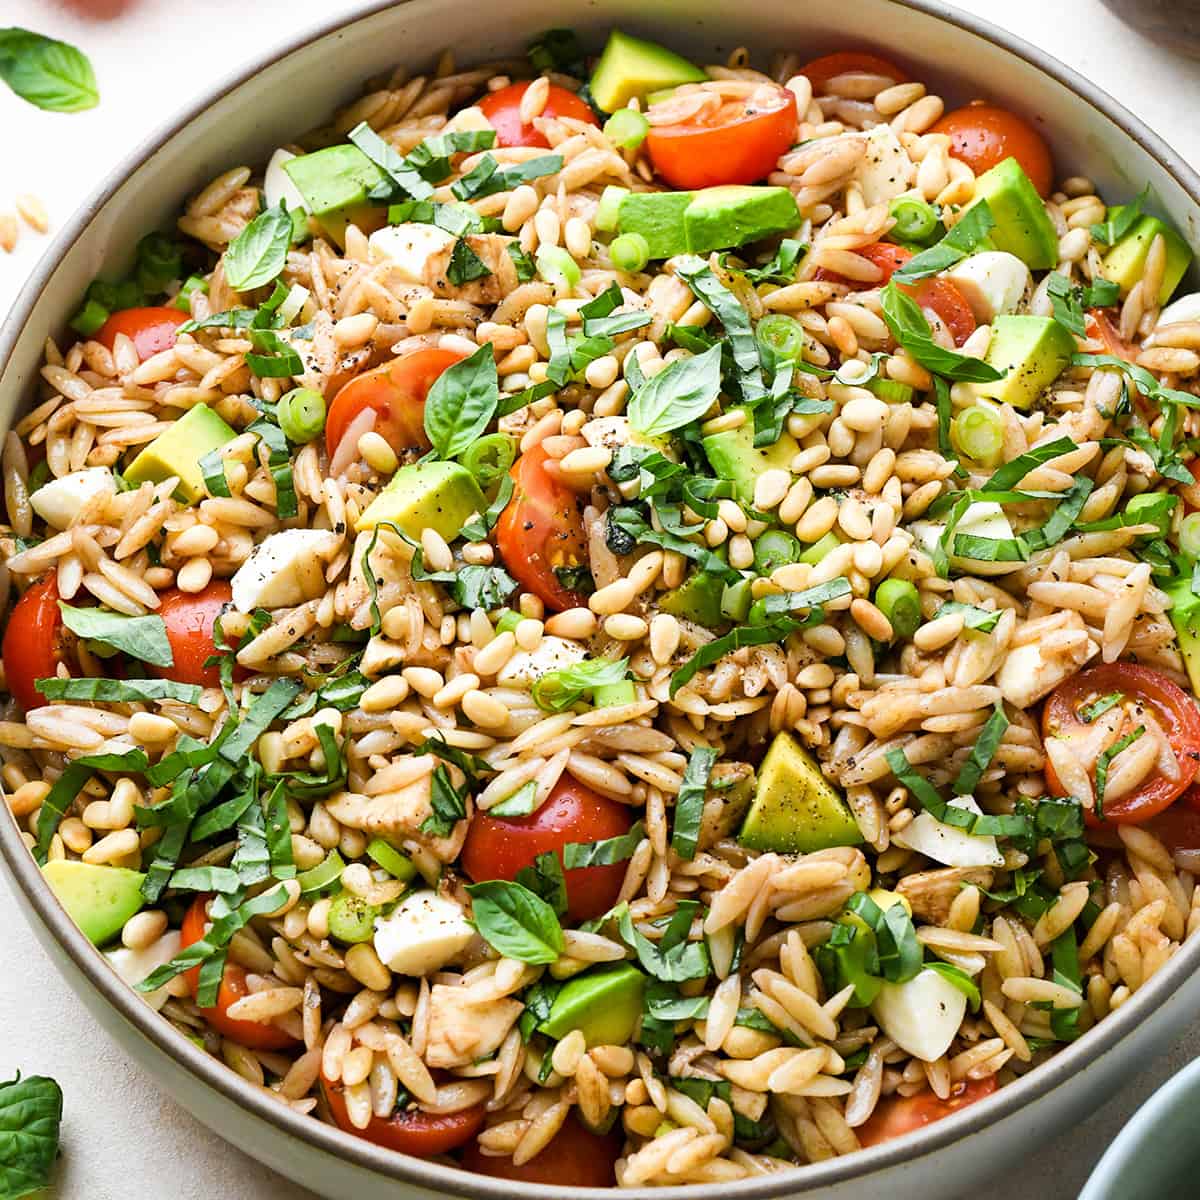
(294, 88)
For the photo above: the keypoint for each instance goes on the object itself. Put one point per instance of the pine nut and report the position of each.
(625, 627)
(528, 633)
(612, 598)
(455, 690)
(871, 620)
(364, 965)
(771, 488)
(76, 836)
(495, 654)
(425, 681)
(485, 711)
(578, 623)
(602, 372)
(437, 553)
(377, 454)
(150, 728)
(547, 226)
(144, 928)
(194, 575)
(34, 212)
(200, 539)
(115, 845)
(390, 692)
(664, 637)
(578, 236)
(355, 331)
(941, 631)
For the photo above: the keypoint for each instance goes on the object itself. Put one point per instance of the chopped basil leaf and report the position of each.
(515, 922)
(1098, 707)
(556, 50)
(780, 268)
(487, 177)
(663, 1002)
(1012, 473)
(678, 395)
(681, 961)
(1064, 956)
(911, 331)
(524, 264)
(465, 265)
(899, 952)
(1119, 220)
(1143, 380)
(973, 618)
(1102, 764)
(545, 880)
(118, 691)
(775, 631)
(627, 528)
(144, 638)
(957, 977)
(972, 229)
(689, 804)
(477, 529)
(982, 752)
(259, 253)
(604, 853)
(1066, 301)
(401, 174)
(205, 879)
(520, 804)
(448, 803)
(462, 402)
(557, 690)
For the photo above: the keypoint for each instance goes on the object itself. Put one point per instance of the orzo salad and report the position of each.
(615, 622)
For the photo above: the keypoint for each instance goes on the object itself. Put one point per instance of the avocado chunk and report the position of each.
(631, 67)
(1031, 351)
(432, 495)
(179, 450)
(98, 899)
(796, 810)
(697, 598)
(1126, 261)
(1023, 227)
(658, 217)
(720, 217)
(1185, 616)
(733, 455)
(613, 695)
(604, 1005)
(334, 183)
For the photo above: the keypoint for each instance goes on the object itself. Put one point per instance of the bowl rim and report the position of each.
(436, 1177)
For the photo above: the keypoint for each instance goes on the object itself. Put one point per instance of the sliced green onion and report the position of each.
(978, 433)
(629, 252)
(351, 919)
(1189, 535)
(89, 318)
(782, 336)
(39, 475)
(129, 294)
(897, 599)
(626, 128)
(191, 285)
(324, 874)
(556, 266)
(915, 220)
(397, 865)
(776, 548)
(613, 695)
(301, 414)
(508, 621)
(489, 458)
(736, 599)
(104, 293)
(820, 548)
(890, 391)
(159, 261)
(610, 204)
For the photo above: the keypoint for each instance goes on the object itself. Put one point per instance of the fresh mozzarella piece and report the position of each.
(134, 965)
(60, 501)
(609, 432)
(983, 518)
(886, 172)
(285, 569)
(424, 932)
(992, 282)
(1026, 675)
(1186, 308)
(552, 654)
(922, 1015)
(945, 844)
(410, 248)
(278, 185)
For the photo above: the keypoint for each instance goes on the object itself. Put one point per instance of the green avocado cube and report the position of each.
(796, 810)
(179, 450)
(1023, 227)
(658, 217)
(1031, 351)
(721, 217)
(733, 455)
(98, 899)
(603, 1004)
(630, 66)
(433, 495)
(1185, 616)
(332, 179)
(697, 598)
(1126, 261)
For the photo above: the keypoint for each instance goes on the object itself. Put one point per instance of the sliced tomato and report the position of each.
(499, 847)
(152, 330)
(33, 641)
(737, 141)
(408, 1131)
(574, 1157)
(1144, 691)
(982, 135)
(1099, 326)
(895, 1116)
(850, 62)
(189, 618)
(258, 1035)
(943, 296)
(503, 111)
(396, 391)
(541, 531)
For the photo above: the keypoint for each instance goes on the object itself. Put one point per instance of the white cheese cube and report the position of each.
(922, 1015)
(424, 932)
(411, 248)
(947, 844)
(285, 569)
(60, 501)
(134, 965)
(552, 654)
(886, 172)
(991, 283)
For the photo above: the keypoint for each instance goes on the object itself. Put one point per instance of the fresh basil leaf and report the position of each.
(557, 690)
(957, 977)
(524, 264)
(119, 691)
(1009, 475)
(780, 268)
(449, 805)
(663, 1002)
(462, 402)
(981, 619)
(972, 229)
(982, 752)
(233, 318)
(945, 413)
(684, 960)
(1143, 380)
(899, 952)
(465, 265)
(809, 600)
(515, 922)
(911, 331)
(487, 177)
(689, 804)
(678, 395)
(257, 720)
(144, 638)
(252, 859)
(477, 529)
(1065, 299)
(775, 630)
(1105, 759)
(545, 879)
(205, 879)
(606, 852)
(273, 356)
(431, 157)
(1120, 219)
(30, 1116)
(212, 467)
(1101, 293)
(520, 804)
(48, 74)
(259, 253)
(402, 175)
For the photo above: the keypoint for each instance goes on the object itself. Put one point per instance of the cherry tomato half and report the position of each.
(396, 391)
(1145, 691)
(982, 135)
(738, 141)
(941, 295)
(895, 1116)
(574, 1157)
(1099, 326)
(498, 847)
(151, 329)
(850, 62)
(258, 1035)
(33, 641)
(541, 530)
(189, 618)
(410, 1131)
(503, 111)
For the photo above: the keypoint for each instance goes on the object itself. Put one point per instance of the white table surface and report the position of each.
(122, 1138)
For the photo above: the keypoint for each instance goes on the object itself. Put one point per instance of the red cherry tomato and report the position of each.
(33, 641)
(410, 1131)
(941, 295)
(982, 135)
(258, 1035)
(498, 847)
(574, 1157)
(850, 62)
(895, 1116)
(1145, 691)
(396, 391)
(1099, 326)
(152, 329)
(1178, 827)
(541, 529)
(189, 618)
(739, 141)
(503, 111)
